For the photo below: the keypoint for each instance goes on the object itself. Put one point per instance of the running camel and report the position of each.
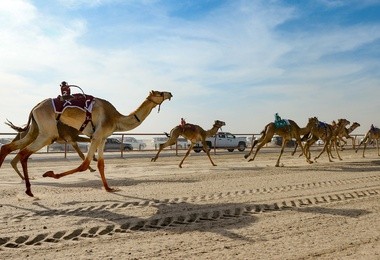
(193, 133)
(287, 130)
(105, 120)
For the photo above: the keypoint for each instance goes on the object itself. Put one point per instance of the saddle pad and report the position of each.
(81, 101)
(281, 123)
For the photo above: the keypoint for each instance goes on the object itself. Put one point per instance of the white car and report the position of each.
(136, 144)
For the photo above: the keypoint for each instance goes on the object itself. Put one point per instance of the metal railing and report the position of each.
(176, 148)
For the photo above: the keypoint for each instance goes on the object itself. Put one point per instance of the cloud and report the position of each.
(237, 61)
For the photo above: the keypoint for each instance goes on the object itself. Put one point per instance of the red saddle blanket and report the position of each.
(81, 101)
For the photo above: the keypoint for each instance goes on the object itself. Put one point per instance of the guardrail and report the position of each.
(152, 148)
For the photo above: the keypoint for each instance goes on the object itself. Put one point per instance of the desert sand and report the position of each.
(235, 210)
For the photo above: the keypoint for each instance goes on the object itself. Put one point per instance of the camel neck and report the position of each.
(135, 118)
(212, 131)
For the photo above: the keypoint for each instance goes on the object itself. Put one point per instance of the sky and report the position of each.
(239, 61)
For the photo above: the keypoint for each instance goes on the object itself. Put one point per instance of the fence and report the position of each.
(150, 140)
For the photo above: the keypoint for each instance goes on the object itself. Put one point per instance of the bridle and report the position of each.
(157, 103)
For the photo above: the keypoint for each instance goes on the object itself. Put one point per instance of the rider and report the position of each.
(65, 90)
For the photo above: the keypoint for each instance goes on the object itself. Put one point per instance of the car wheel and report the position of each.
(241, 147)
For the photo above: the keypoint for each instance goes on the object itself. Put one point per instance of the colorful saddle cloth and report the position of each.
(81, 101)
(322, 124)
(281, 123)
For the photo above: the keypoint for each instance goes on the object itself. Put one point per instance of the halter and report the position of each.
(159, 104)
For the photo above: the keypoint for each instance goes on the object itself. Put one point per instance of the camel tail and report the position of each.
(17, 128)
(168, 135)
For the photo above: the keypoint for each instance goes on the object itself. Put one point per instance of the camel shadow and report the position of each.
(173, 217)
(352, 213)
(353, 167)
(118, 182)
(216, 218)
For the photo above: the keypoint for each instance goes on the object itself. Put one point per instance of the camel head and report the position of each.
(219, 123)
(313, 121)
(355, 124)
(158, 97)
(343, 122)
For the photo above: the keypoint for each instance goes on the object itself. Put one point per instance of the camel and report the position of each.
(346, 134)
(287, 132)
(105, 120)
(372, 134)
(327, 133)
(67, 134)
(193, 133)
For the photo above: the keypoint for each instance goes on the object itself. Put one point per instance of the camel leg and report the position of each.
(337, 150)
(260, 145)
(307, 156)
(377, 144)
(4, 152)
(81, 155)
(172, 140)
(14, 166)
(325, 148)
(24, 156)
(284, 141)
(364, 147)
(187, 154)
(253, 145)
(207, 151)
(295, 149)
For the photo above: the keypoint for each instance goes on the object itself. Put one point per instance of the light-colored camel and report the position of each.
(67, 134)
(346, 134)
(373, 134)
(286, 132)
(105, 120)
(193, 133)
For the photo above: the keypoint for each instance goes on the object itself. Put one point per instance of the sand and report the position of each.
(235, 210)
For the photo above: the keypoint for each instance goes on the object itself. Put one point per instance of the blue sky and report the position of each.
(236, 61)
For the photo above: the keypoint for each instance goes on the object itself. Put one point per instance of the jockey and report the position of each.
(65, 90)
(277, 118)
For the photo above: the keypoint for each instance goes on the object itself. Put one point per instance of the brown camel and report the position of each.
(327, 133)
(105, 120)
(67, 134)
(287, 132)
(193, 133)
(372, 134)
(346, 134)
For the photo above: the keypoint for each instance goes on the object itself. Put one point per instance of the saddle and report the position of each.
(281, 123)
(81, 101)
(322, 124)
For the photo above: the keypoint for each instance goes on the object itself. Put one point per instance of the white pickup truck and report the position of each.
(223, 140)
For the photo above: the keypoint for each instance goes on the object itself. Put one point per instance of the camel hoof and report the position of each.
(92, 170)
(153, 159)
(49, 174)
(246, 156)
(250, 160)
(29, 193)
(112, 189)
